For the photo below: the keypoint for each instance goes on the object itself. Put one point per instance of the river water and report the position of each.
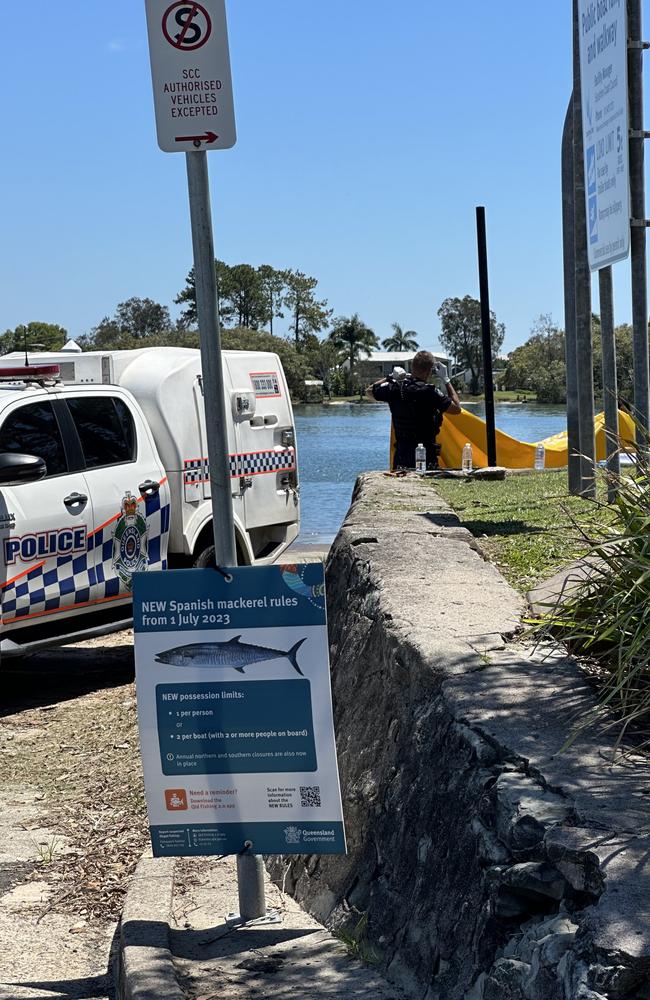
(336, 442)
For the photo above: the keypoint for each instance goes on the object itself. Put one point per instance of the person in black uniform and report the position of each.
(416, 408)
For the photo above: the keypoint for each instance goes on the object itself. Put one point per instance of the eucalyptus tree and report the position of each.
(324, 359)
(273, 284)
(308, 314)
(461, 334)
(242, 301)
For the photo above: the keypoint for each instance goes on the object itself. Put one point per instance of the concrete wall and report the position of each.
(483, 863)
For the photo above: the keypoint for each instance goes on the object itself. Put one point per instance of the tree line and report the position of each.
(539, 364)
(252, 301)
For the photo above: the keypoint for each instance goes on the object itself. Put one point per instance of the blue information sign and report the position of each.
(235, 711)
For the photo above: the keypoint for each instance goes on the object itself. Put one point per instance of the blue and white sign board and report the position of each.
(603, 75)
(235, 711)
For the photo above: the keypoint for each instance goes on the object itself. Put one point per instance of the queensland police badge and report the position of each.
(130, 550)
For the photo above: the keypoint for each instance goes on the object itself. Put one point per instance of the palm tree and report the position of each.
(350, 334)
(402, 340)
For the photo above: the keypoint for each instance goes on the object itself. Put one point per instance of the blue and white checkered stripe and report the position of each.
(252, 463)
(194, 470)
(255, 463)
(69, 582)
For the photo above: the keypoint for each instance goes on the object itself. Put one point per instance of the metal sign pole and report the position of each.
(488, 378)
(250, 870)
(572, 417)
(582, 285)
(637, 206)
(610, 389)
(188, 47)
(211, 364)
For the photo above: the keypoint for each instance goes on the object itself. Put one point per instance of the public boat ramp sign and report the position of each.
(235, 711)
(190, 70)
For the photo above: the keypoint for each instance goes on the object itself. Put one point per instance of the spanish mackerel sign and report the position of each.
(190, 69)
(235, 711)
(603, 76)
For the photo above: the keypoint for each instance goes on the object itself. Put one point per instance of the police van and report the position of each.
(104, 473)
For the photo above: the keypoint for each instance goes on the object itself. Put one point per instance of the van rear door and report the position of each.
(265, 469)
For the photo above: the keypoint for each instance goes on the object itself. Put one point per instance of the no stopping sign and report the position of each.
(186, 26)
(190, 70)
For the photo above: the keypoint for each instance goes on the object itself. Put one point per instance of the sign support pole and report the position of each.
(610, 389)
(638, 236)
(250, 873)
(582, 284)
(573, 424)
(205, 276)
(488, 378)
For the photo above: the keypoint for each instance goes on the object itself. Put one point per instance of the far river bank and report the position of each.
(338, 441)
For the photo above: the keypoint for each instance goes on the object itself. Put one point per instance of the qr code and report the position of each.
(310, 795)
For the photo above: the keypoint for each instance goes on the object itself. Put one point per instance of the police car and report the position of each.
(104, 473)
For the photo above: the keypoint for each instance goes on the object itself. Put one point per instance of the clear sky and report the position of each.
(368, 132)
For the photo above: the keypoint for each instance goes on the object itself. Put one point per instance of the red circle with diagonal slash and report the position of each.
(188, 27)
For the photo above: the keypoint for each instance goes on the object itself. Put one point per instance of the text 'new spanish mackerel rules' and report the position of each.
(190, 70)
(235, 711)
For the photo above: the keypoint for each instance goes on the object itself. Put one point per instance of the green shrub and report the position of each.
(606, 620)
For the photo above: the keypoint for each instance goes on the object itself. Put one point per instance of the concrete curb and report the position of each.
(145, 970)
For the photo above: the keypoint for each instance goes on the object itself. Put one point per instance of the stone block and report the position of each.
(533, 880)
(465, 823)
(506, 980)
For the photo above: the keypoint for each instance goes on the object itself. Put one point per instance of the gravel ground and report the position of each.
(296, 959)
(73, 821)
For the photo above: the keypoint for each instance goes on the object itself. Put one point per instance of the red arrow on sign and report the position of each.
(208, 137)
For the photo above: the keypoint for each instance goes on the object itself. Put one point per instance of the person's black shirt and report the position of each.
(416, 408)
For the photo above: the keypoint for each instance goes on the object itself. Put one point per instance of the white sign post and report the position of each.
(190, 69)
(603, 75)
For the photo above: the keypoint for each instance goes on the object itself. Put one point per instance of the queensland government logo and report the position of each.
(130, 549)
(292, 834)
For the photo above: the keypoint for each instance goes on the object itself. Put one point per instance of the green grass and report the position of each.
(524, 524)
(357, 944)
(531, 528)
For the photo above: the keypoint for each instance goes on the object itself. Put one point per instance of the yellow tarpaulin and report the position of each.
(513, 454)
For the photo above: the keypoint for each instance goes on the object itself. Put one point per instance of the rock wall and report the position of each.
(482, 862)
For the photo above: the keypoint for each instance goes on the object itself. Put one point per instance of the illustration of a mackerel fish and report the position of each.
(233, 653)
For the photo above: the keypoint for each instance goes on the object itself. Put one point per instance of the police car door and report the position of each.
(266, 455)
(128, 487)
(45, 525)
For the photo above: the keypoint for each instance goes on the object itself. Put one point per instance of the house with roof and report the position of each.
(381, 363)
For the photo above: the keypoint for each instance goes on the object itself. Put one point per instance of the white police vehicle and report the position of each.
(104, 473)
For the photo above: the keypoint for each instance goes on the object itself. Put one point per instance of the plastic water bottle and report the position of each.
(468, 462)
(420, 458)
(540, 457)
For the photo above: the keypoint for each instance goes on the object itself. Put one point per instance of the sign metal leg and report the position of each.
(250, 887)
(250, 871)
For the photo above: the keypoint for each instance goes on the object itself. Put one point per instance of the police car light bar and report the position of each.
(30, 373)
